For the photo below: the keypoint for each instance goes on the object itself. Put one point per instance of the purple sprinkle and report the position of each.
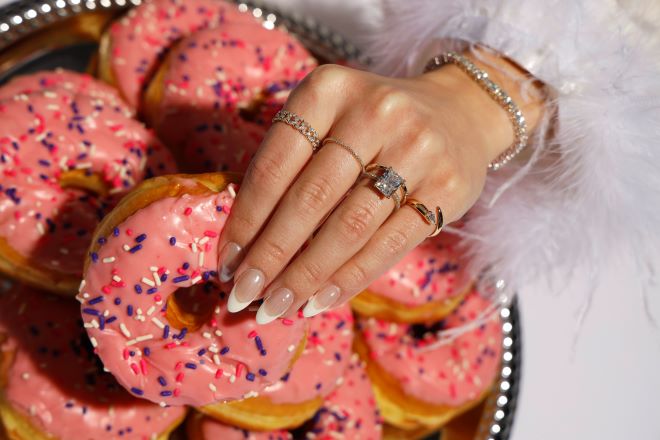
(263, 352)
(95, 257)
(185, 265)
(138, 289)
(115, 232)
(117, 301)
(201, 352)
(260, 344)
(129, 310)
(146, 351)
(191, 366)
(163, 277)
(263, 372)
(101, 241)
(250, 377)
(110, 320)
(180, 279)
(89, 311)
(166, 331)
(172, 241)
(162, 381)
(137, 391)
(224, 350)
(166, 393)
(140, 238)
(152, 291)
(96, 300)
(135, 248)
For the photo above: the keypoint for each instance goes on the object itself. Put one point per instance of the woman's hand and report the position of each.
(439, 131)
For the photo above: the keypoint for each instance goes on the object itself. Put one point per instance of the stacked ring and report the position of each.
(387, 182)
(430, 217)
(295, 121)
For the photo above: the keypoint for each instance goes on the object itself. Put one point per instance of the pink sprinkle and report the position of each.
(161, 270)
(105, 289)
(157, 298)
(135, 369)
(252, 334)
(287, 321)
(143, 366)
(188, 211)
(239, 369)
(181, 270)
(179, 377)
(178, 366)
(129, 232)
(114, 271)
(226, 209)
(176, 392)
(211, 234)
(214, 322)
(170, 345)
(125, 354)
(218, 373)
(17, 215)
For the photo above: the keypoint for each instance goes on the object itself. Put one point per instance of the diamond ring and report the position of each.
(432, 218)
(388, 182)
(295, 121)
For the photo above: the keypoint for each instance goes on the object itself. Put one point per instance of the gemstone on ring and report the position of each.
(427, 213)
(388, 182)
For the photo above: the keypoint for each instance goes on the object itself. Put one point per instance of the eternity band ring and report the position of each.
(297, 122)
(387, 182)
(351, 151)
(432, 218)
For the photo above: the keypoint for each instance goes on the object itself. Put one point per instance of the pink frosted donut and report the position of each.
(216, 93)
(65, 158)
(426, 285)
(53, 381)
(168, 243)
(135, 44)
(435, 382)
(349, 412)
(293, 399)
(72, 82)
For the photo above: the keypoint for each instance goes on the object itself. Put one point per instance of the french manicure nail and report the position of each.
(275, 305)
(229, 261)
(321, 301)
(246, 289)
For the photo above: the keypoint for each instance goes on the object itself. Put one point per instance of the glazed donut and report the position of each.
(72, 82)
(349, 412)
(418, 384)
(215, 94)
(65, 158)
(51, 385)
(299, 394)
(425, 286)
(132, 47)
(161, 237)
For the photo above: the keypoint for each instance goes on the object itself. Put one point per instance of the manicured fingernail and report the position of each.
(246, 289)
(229, 261)
(275, 305)
(322, 300)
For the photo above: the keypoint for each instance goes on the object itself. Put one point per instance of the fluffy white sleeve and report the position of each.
(592, 184)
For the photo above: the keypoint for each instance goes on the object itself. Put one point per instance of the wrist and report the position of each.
(487, 118)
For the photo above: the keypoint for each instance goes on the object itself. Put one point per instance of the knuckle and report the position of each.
(241, 222)
(326, 75)
(354, 221)
(314, 194)
(311, 272)
(391, 101)
(395, 243)
(273, 252)
(266, 171)
(357, 277)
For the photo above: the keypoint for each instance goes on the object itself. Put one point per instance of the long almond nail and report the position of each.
(321, 301)
(229, 261)
(275, 305)
(246, 289)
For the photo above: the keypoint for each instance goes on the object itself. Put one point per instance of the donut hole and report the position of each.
(192, 307)
(89, 182)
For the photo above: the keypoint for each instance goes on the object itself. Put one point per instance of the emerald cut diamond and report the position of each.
(388, 182)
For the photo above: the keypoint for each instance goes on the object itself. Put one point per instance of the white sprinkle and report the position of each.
(151, 310)
(87, 325)
(216, 359)
(200, 260)
(147, 281)
(213, 348)
(95, 323)
(291, 348)
(127, 247)
(218, 333)
(162, 404)
(109, 259)
(82, 285)
(207, 335)
(25, 376)
(232, 191)
(106, 313)
(217, 310)
(124, 330)
(144, 337)
(40, 229)
(117, 278)
(196, 280)
(232, 378)
(93, 341)
(156, 278)
(193, 246)
(158, 322)
(131, 342)
(212, 387)
(154, 268)
(204, 240)
(250, 394)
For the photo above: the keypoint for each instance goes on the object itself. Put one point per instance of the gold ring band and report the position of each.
(387, 182)
(351, 151)
(432, 218)
(298, 123)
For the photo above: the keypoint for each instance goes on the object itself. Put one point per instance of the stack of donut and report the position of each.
(92, 207)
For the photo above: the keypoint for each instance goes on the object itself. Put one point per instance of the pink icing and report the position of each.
(432, 272)
(451, 374)
(172, 244)
(55, 380)
(221, 89)
(140, 38)
(349, 412)
(72, 82)
(214, 430)
(323, 362)
(54, 130)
